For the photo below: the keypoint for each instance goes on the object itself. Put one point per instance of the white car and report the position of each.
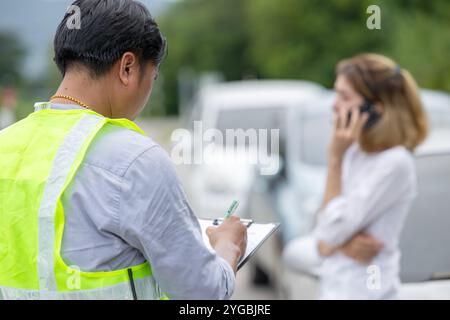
(295, 199)
(257, 105)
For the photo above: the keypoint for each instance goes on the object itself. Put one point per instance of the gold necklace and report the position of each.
(60, 96)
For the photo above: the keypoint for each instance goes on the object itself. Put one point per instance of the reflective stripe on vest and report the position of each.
(34, 175)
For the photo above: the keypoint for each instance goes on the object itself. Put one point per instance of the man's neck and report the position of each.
(85, 89)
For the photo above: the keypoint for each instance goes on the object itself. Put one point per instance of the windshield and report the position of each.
(255, 119)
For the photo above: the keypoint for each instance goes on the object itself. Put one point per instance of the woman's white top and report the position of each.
(377, 191)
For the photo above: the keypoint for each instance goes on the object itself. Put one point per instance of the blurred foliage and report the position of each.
(305, 39)
(267, 39)
(12, 53)
(422, 43)
(207, 36)
(302, 39)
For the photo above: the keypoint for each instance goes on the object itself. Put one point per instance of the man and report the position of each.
(90, 207)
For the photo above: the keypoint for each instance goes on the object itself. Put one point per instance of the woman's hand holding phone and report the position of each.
(346, 131)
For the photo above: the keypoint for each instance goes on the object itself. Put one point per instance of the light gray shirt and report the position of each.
(126, 205)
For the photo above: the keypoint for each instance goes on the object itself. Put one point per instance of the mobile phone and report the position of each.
(374, 116)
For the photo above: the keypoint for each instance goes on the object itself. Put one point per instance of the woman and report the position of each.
(371, 178)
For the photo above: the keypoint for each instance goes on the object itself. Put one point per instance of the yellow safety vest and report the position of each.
(39, 157)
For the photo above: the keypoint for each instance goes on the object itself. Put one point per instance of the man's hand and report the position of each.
(362, 248)
(229, 240)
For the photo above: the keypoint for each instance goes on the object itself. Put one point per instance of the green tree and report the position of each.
(302, 39)
(421, 41)
(205, 35)
(11, 56)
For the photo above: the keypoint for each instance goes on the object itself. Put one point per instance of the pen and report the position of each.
(232, 209)
(246, 222)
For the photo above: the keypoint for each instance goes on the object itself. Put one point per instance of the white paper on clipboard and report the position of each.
(257, 233)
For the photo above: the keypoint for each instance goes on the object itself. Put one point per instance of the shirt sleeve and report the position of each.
(302, 254)
(156, 218)
(353, 211)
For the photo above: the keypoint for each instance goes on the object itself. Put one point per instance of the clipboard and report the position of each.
(257, 234)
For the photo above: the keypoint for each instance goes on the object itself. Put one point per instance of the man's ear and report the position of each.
(127, 67)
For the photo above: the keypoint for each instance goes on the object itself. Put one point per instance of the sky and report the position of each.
(35, 22)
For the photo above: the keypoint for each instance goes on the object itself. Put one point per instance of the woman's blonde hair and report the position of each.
(380, 80)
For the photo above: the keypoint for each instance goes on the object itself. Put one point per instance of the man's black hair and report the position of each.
(108, 29)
